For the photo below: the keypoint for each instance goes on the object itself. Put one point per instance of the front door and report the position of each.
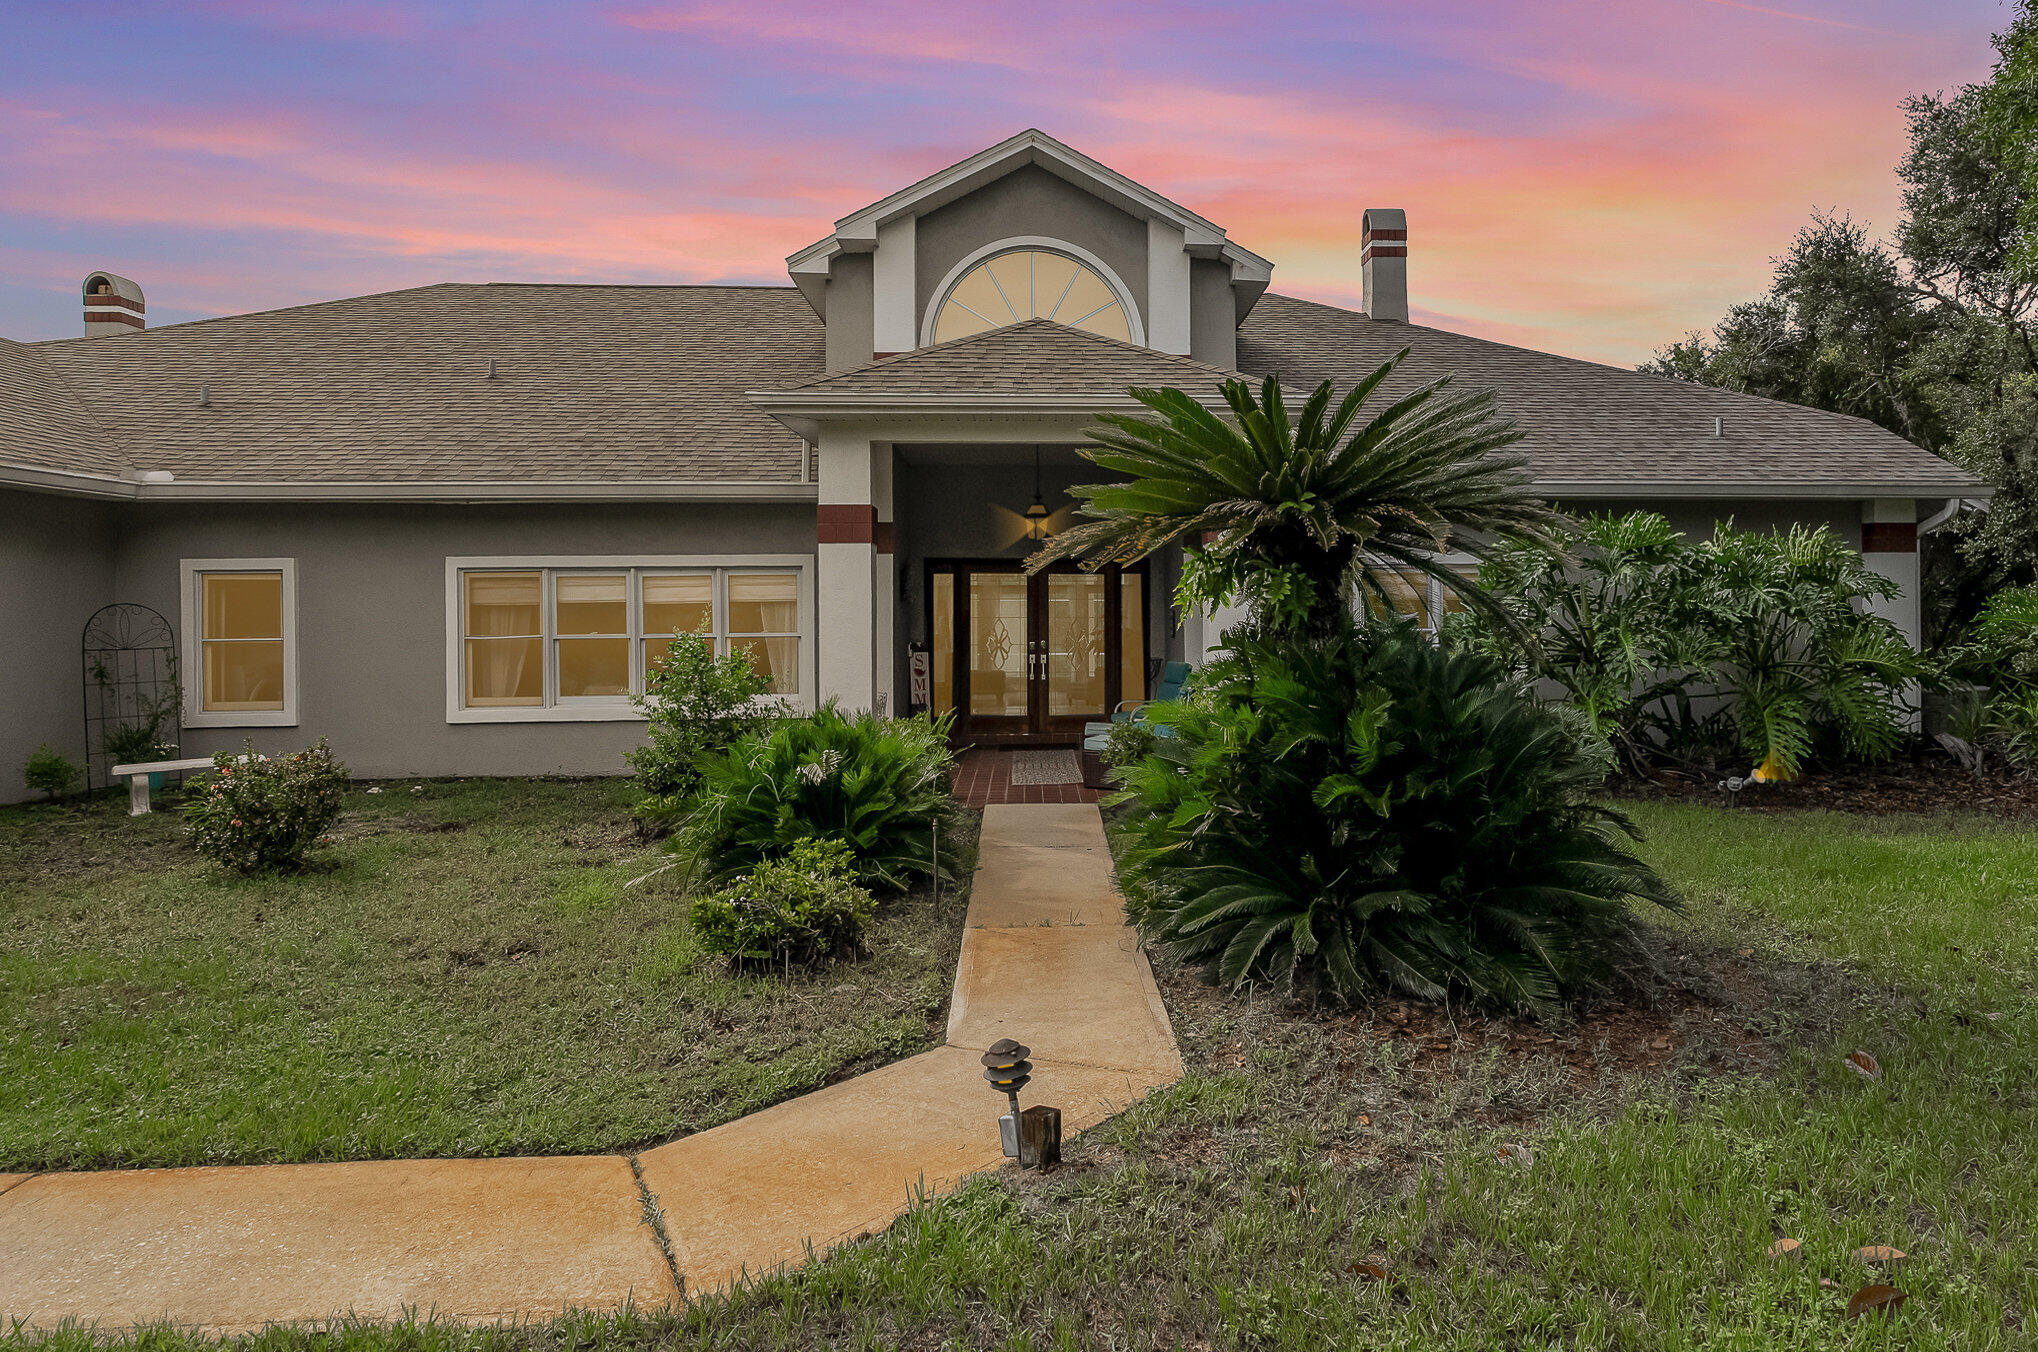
(1038, 656)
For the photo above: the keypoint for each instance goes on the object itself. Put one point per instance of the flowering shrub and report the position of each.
(803, 907)
(264, 814)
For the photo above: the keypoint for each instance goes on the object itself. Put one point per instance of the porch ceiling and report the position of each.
(990, 453)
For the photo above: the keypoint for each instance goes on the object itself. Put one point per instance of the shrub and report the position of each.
(2001, 656)
(698, 705)
(1802, 663)
(49, 772)
(875, 784)
(803, 907)
(2002, 652)
(1127, 742)
(1605, 619)
(1373, 812)
(1749, 644)
(135, 744)
(266, 813)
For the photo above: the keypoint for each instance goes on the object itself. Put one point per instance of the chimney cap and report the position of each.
(113, 304)
(111, 284)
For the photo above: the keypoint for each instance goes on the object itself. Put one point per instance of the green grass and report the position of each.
(464, 972)
(1227, 1210)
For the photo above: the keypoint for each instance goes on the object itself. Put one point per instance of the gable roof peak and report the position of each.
(857, 232)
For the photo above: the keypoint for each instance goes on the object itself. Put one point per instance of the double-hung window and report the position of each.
(240, 642)
(574, 638)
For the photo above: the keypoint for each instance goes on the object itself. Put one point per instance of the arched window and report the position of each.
(1031, 284)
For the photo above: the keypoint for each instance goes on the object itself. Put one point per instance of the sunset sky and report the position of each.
(1589, 178)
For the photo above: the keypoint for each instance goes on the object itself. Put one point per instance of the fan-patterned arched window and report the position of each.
(1031, 284)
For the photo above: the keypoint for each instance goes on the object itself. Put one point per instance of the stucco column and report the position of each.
(885, 588)
(1889, 546)
(845, 592)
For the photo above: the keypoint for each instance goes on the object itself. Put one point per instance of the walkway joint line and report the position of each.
(238, 1248)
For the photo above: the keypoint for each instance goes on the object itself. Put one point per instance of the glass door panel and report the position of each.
(1078, 643)
(1132, 636)
(999, 641)
(941, 642)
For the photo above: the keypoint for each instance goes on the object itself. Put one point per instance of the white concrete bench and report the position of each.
(137, 777)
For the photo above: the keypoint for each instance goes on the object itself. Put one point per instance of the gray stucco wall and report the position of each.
(1213, 313)
(56, 568)
(849, 312)
(371, 584)
(1028, 201)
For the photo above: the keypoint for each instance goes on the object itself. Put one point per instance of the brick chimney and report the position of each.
(113, 305)
(1383, 263)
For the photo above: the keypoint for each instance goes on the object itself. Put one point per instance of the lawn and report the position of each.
(463, 972)
(1668, 1142)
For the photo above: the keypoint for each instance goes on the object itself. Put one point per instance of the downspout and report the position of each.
(1942, 516)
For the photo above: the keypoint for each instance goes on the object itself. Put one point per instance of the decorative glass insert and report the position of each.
(1031, 284)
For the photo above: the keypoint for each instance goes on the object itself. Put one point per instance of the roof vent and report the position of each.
(113, 305)
(205, 396)
(1719, 427)
(1383, 263)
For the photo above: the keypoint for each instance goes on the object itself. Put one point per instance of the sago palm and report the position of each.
(1303, 506)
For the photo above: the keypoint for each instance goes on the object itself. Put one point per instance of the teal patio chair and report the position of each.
(1173, 682)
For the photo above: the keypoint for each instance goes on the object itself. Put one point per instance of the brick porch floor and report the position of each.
(983, 776)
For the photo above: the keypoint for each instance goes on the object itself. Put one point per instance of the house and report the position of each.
(446, 526)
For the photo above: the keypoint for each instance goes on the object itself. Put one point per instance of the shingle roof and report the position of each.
(592, 383)
(1035, 356)
(1592, 424)
(623, 384)
(43, 423)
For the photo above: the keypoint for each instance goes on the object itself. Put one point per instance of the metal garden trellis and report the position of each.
(130, 681)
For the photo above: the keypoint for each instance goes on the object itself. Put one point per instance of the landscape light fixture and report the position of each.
(1032, 1137)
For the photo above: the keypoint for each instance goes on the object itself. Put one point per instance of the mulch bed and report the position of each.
(1925, 786)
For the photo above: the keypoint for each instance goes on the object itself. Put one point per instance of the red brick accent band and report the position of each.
(115, 317)
(122, 301)
(1383, 251)
(853, 523)
(886, 534)
(1366, 235)
(1889, 537)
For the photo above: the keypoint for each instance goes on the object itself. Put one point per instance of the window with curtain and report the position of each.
(238, 622)
(1415, 594)
(242, 641)
(544, 638)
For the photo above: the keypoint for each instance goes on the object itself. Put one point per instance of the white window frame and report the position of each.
(1433, 590)
(191, 589)
(614, 708)
(1135, 322)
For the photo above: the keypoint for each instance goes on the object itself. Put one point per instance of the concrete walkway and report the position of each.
(1047, 958)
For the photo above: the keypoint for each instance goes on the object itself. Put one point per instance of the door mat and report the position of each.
(1046, 767)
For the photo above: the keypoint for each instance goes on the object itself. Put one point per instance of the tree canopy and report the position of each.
(1931, 333)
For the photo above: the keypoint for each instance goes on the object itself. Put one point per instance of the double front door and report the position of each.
(1039, 655)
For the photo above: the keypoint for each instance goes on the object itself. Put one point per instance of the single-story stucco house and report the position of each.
(440, 526)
